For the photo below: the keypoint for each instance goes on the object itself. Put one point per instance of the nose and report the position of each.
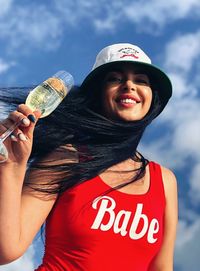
(129, 85)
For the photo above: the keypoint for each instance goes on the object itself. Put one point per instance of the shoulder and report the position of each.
(164, 258)
(169, 181)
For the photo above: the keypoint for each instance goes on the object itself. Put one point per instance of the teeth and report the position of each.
(128, 101)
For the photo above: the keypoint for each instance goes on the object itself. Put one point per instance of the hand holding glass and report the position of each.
(45, 97)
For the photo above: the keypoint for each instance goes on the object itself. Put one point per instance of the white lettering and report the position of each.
(136, 220)
(102, 211)
(122, 230)
(107, 218)
(153, 228)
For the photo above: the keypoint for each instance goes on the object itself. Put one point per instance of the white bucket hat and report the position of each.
(115, 54)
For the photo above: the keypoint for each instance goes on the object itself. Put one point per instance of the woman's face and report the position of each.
(126, 94)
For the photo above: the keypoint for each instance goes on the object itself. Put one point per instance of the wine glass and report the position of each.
(45, 97)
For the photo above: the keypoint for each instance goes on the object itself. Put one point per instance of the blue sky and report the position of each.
(38, 38)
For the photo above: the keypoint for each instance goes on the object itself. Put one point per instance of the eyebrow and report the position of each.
(137, 71)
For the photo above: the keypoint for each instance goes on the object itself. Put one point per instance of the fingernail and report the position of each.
(26, 121)
(31, 118)
(22, 137)
(13, 138)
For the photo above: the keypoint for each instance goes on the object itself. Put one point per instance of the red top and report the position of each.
(90, 230)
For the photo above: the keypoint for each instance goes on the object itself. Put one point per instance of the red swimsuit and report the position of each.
(90, 230)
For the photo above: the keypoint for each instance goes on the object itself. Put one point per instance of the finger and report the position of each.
(37, 114)
(25, 110)
(25, 113)
(28, 131)
(13, 138)
(16, 133)
(16, 117)
(33, 120)
(32, 116)
(5, 128)
(19, 137)
(22, 137)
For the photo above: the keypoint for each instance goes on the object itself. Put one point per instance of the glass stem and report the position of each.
(9, 131)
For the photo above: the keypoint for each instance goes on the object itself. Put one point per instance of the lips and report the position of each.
(127, 99)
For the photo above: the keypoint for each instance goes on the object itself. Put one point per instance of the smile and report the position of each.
(127, 101)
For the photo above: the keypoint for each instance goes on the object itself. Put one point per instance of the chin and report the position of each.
(129, 118)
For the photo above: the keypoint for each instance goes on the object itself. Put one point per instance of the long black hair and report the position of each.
(99, 142)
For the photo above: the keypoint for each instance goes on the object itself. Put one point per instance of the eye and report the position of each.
(142, 81)
(114, 79)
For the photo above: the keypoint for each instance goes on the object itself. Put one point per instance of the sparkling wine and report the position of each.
(47, 96)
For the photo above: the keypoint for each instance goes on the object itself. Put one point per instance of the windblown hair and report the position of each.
(99, 141)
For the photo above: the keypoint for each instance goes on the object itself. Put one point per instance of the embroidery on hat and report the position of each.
(126, 52)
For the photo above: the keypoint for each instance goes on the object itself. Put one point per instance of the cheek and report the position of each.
(107, 101)
(148, 97)
(107, 96)
(104, 101)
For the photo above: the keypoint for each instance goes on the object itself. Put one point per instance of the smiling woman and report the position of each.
(105, 206)
(126, 95)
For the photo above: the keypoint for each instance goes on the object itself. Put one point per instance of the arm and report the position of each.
(164, 259)
(22, 210)
(16, 207)
(21, 214)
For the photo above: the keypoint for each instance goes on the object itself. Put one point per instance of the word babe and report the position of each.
(119, 221)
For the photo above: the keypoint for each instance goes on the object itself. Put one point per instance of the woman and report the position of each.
(106, 207)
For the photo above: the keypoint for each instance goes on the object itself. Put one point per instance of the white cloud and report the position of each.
(5, 6)
(25, 263)
(109, 15)
(195, 185)
(42, 25)
(161, 12)
(182, 52)
(180, 145)
(181, 86)
(186, 232)
(186, 136)
(31, 26)
(182, 113)
(188, 246)
(5, 66)
(181, 140)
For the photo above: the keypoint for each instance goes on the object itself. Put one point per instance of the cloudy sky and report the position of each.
(38, 38)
